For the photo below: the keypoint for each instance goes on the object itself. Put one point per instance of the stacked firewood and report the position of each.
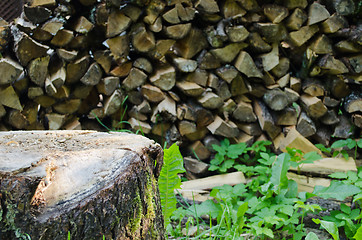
(182, 70)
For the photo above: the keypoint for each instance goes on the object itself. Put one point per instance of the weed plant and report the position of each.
(269, 205)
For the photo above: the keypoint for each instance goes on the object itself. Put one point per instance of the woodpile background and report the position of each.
(189, 71)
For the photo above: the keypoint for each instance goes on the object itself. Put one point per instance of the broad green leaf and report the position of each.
(358, 234)
(354, 214)
(169, 180)
(338, 175)
(268, 232)
(359, 143)
(292, 189)
(345, 154)
(266, 159)
(287, 209)
(357, 197)
(206, 208)
(226, 165)
(235, 150)
(219, 149)
(323, 148)
(352, 176)
(337, 190)
(330, 227)
(239, 189)
(225, 143)
(345, 208)
(311, 236)
(351, 143)
(280, 169)
(213, 168)
(218, 159)
(310, 157)
(305, 195)
(339, 144)
(242, 209)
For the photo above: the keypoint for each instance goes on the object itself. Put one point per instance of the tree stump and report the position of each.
(83, 183)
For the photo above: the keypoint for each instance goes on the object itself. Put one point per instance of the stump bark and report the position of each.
(86, 183)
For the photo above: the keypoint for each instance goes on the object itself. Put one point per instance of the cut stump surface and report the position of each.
(87, 183)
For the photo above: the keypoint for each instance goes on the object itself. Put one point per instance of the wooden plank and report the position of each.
(307, 184)
(326, 166)
(214, 181)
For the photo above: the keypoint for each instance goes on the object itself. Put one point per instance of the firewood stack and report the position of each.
(182, 70)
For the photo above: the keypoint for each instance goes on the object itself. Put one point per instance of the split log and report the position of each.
(313, 87)
(143, 64)
(357, 120)
(164, 78)
(185, 65)
(199, 76)
(9, 98)
(276, 99)
(317, 13)
(77, 69)
(244, 112)
(190, 88)
(332, 65)
(58, 78)
(10, 70)
(252, 129)
(313, 106)
(55, 121)
(198, 149)
(138, 125)
(142, 40)
(330, 118)
(113, 103)
(68, 106)
(286, 117)
(104, 59)
(135, 78)
(305, 125)
(344, 128)
(27, 49)
(178, 31)
(207, 60)
(353, 102)
(93, 75)
(266, 120)
(117, 23)
(62, 38)
(210, 100)
(193, 43)
(228, 53)
(296, 20)
(333, 24)
(166, 108)
(257, 44)
(195, 166)
(303, 34)
(295, 140)
(38, 70)
(122, 70)
(52, 181)
(246, 65)
(108, 85)
(16, 119)
(223, 128)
